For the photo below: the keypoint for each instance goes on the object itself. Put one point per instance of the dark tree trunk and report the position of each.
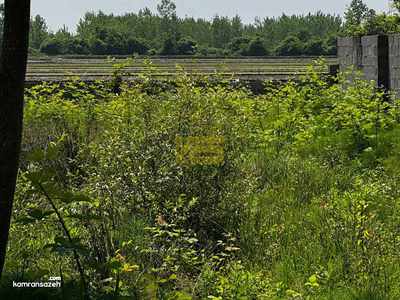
(12, 77)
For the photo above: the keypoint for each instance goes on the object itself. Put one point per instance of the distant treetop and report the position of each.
(361, 20)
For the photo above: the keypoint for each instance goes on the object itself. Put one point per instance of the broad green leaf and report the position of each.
(39, 214)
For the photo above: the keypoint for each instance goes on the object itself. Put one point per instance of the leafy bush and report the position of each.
(136, 46)
(169, 47)
(256, 48)
(239, 45)
(291, 46)
(186, 46)
(315, 47)
(52, 46)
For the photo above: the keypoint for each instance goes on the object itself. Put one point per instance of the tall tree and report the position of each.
(221, 31)
(355, 15)
(12, 77)
(39, 31)
(169, 21)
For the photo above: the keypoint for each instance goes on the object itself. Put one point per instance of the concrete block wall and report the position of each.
(369, 58)
(349, 52)
(394, 63)
(373, 55)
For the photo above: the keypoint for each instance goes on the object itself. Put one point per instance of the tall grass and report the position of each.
(304, 206)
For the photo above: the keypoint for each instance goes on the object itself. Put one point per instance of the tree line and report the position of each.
(164, 33)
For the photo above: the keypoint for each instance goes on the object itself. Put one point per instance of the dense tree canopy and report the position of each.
(164, 33)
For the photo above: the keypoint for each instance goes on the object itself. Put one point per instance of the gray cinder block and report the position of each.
(370, 54)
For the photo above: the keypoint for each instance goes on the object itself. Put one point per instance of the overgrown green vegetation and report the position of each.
(361, 20)
(304, 205)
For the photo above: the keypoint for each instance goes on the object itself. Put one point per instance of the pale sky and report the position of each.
(68, 12)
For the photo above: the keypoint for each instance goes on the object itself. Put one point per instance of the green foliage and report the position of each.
(38, 32)
(304, 205)
(304, 44)
(290, 46)
(239, 45)
(360, 20)
(136, 46)
(167, 34)
(315, 47)
(169, 47)
(256, 48)
(247, 46)
(234, 282)
(355, 15)
(62, 42)
(52, 46)
(186, 46)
